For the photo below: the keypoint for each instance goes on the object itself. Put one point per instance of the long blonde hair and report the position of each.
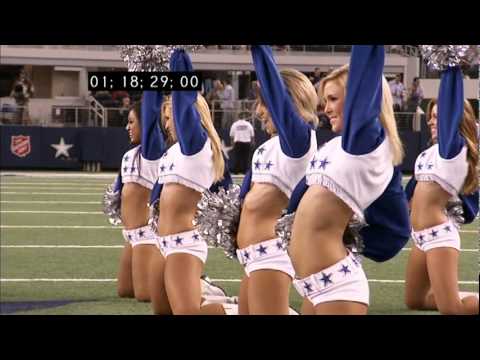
(303, 94)
(468, 128)
(206, 119)
(387, 116)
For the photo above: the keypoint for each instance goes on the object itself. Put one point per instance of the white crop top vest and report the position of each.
(358, 180)
(194, 171)
(137, 169)
(271, 165)
(450, 174)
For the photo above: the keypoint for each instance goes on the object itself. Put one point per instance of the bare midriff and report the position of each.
(428, 205)
(134, 206)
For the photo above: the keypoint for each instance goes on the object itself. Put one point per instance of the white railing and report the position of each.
(96, 112)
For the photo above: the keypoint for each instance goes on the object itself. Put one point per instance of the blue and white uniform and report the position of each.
(358, 168)
(188, 162)
(140, 164)
(280, 161)
(446, 164)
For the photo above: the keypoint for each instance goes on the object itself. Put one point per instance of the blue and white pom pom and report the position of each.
(218, 217)
(441, 57)
(112, 205)
(154, 213)
(151, 57)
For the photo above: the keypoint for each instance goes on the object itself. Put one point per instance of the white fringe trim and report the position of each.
(270, 179)
(330, 184)
(432, 177)
(180, 180)
(139, 180)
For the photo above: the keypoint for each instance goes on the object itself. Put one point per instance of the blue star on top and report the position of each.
(257, 165)
(447, 228)
(132, 169)
(420, 166)
(172, 166)
(279, 245)
(162, 168)
(323, 164)
(246, 255)
(178, 240)
(430, 166)
(434, 233)
(307, 287)
(326, 279)
(141, 233)
(165, 154)
(421, 238)
(261, 150)
(129, 237)
(262, 250)
(125, 169)
(164, 242)
(195, 237)
(345, 269)
(268, 165)
(126, 158)
(423, 154)
(312, 163)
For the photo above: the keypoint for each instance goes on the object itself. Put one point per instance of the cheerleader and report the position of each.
(287, 106)
(352, 177)
(188, 168)
(445, 174)
(137, 178)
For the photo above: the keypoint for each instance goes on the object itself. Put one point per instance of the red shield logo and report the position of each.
(20, 145)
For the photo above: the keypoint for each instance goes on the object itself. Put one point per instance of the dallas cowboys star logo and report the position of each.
(323, 164)
(268, 165)
(434, 233)
(195, 237)
(307, 287)
(178, 240)
(326, 279)
(141, 233)
(246, 255)
(420, 166)
(132, 169)
(261, 150)
(345, 269)
(262, 250)
(129, 237)
(162, 168)
(164, 242)
(165, 154)
(423, 154)
(62, 148)
(447, 228)
(257, 165)
(125, 169)
(430, 166)
(279, 245)
(421, 237)
(172, 166)
(126, 158)
(312, 163)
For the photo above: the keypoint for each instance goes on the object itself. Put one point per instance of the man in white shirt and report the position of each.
(398, 92)
(228, 105)
(242, 134)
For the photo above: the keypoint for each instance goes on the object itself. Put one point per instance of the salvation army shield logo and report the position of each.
(20, 145)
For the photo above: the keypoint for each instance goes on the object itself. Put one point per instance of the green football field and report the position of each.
(59, 254)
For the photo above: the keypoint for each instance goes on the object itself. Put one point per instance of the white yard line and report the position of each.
(51, 212)
(213, 280)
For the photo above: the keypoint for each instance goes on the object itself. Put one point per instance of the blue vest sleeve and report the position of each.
(470, 206)
(362, 131)
(225, 182)
(188, 126)
(294, 132)
(153, 145)
(247, 183)
(118, 183)
(410, 188)
(297, 195)
(388, 219)
(450, 113)
(155, 194)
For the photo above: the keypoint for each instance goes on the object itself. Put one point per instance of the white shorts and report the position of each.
(444, 235)
(141, 236)
(267, 255)
(188, 242)
(344, 281)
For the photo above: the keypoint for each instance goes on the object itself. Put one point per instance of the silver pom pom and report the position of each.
(217, 218)
(112, 205)
(455, 212)
(151, 57)
(154, 211)
(441, 57)
(283, 228)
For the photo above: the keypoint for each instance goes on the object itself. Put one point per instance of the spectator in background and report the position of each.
(415, 95)
(242, 135)
(317, 76)
(398, 93)
(253, 92)
(228, 106)
(119, 95)
(214, 98)
(123, 112)
(22, 91)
